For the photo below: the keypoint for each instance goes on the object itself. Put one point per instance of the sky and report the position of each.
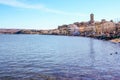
(49, 14)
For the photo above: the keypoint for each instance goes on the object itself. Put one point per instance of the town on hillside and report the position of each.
(103, 29)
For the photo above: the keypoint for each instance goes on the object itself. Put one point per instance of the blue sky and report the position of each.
(48, 14)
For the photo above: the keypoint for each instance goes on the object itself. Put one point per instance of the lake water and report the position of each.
(44, 57)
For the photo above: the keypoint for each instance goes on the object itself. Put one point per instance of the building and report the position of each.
(91, 18)
(73, 29)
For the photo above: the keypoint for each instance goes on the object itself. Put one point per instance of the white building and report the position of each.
(73, 29)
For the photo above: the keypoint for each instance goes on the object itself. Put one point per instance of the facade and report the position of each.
(73, 29)
(108, 27)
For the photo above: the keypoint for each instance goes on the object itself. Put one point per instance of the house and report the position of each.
(73, 29)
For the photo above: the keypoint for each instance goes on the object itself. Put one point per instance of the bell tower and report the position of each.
(91, 18)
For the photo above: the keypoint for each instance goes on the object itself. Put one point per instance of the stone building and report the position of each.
(91, 18)
(104, 27)
(108, 27)
(63, 30)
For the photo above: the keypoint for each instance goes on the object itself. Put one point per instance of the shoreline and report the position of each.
(114, 40)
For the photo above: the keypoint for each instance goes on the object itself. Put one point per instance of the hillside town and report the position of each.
(105, 30)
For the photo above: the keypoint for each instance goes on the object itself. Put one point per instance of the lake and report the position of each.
(47, 57)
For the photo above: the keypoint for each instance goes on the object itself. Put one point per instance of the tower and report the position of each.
(92, 18)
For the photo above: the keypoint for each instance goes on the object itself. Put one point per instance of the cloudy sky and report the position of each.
(48, 14)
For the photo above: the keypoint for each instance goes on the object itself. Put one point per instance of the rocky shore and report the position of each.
(115, 40)
(104, 30)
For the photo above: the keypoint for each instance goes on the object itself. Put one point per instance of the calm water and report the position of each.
(42, 57)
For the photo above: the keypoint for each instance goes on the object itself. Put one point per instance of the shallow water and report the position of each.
(43, 57)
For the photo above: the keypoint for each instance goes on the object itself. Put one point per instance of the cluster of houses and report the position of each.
(92, 28)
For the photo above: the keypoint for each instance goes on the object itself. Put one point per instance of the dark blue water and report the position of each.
(43, 57)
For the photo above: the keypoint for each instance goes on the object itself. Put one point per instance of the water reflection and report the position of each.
(92, 53)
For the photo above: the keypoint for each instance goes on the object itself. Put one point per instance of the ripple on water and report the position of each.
(38, 57)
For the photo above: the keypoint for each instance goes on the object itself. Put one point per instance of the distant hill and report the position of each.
(9, 31)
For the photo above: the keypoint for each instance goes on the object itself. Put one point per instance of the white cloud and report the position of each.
(16, 3)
